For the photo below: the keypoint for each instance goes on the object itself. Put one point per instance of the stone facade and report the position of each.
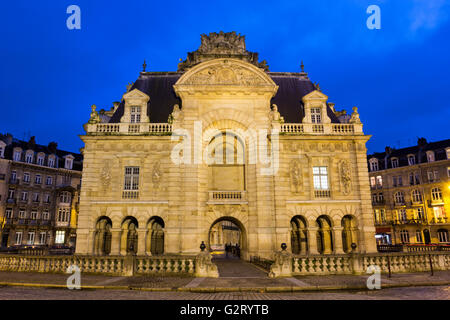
(411, 193)
(39, 189)
(148, 181)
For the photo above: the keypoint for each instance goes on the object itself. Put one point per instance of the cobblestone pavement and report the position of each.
(411, 293)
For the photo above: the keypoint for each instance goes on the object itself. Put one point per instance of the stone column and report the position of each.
(327, 241)
(338, 245)
(141, 241)
(312, 240)
(115, 242)
(123, 242)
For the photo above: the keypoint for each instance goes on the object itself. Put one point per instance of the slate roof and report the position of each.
(37, 148)
(159, 87)
(418, 151)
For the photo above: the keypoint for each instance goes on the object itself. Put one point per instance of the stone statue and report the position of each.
(355, 116)
(176, 115)
(274, 115)
(95, 118)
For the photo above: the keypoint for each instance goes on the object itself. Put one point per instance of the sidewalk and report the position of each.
(224, 284)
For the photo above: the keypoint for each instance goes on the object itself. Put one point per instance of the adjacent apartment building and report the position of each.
(39, 191)
(411, 193)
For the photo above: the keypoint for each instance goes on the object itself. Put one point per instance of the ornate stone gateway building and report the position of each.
(224, 150)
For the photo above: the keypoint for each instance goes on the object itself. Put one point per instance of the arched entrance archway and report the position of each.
(227, 238)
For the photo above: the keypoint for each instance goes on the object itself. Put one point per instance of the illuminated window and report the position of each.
(443, 235)
(320, 176)
(416, 196)
(436, 194)
(19, 236)
(63, 215)
(64, 197)
(31, 237)
(420, 214)
(59, 238)
(131, 178)
(22, 214)
(33, 215)
(372, 182)
(419, 236)
(404, 236)
(43, 238)
(45, 215)
(438, 212)
(402, 215)
(379, 181)
(399, 198)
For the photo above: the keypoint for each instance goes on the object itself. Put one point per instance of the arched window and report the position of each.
(226, 160)
(399, 198)
(416, 196)
(102, 244)
(443, 235)
(404, 236)
(436, 194)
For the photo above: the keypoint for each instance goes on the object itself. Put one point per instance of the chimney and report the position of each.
(421, 142)
(8, 138)
(52, 146)
(32, 143)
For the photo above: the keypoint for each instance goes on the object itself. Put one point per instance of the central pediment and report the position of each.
(226, 72)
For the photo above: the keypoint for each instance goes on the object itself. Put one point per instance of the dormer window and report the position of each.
(51, 161)
(447, 151)
(17, 155)
(135, 115)
(394, 162)
(411, 160)
(29, 157)
(2, 149)
(430, 156)
(68, 163)
(40, 159)
(316, 115)
(373, 164)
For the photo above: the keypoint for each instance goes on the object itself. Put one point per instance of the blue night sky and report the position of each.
(398, 76)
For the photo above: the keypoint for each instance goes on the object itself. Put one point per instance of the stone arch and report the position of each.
(102, 236)
(299, 235)
(129, 236)
(349, 232)
(243, 242)
(325, 241)
(155, 236)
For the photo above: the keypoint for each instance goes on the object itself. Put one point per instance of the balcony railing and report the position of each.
(227, 196)
(379, 203)
(322, 193)
(128, 128)
(325, 128)
(439, 220)
(129, 194)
